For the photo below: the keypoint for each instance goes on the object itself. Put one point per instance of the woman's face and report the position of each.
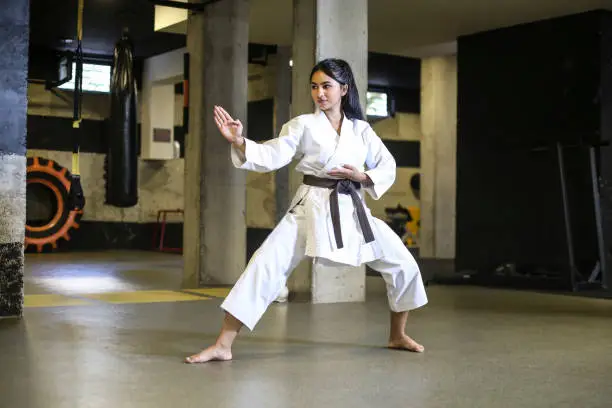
(326, 92)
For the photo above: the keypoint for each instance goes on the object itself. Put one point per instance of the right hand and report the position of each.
(230, 129)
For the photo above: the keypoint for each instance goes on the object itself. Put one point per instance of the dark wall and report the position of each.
(400, 77)
(392, 71)
(56, 133)
(521, 90)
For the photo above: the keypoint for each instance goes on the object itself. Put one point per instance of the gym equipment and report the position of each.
(159, 232)
(404, 222)
(57, 179)
(577, 279)
(121, 163)
(76, 197)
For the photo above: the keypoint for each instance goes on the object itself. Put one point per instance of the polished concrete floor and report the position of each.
(111, 330)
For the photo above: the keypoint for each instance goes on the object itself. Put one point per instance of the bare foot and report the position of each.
(213, 353)
(405, 343)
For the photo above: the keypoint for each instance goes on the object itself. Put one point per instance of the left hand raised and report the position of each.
(348, 172)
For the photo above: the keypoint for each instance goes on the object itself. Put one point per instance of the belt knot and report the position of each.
(347, 187)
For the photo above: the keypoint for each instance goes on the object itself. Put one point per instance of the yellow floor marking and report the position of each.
(215, 292)
(51, 300)
(144, 296)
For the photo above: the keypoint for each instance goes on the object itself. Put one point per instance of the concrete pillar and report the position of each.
(14, 25)
(215, 197)
(282, 114)
(324, 29)
(438, 156)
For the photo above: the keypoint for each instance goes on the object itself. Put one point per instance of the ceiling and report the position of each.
(51, 21)
(402, 27)
(427, 23)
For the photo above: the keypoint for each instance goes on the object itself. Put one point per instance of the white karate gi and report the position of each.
(306, 229)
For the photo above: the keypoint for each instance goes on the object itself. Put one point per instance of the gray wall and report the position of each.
(14, 24)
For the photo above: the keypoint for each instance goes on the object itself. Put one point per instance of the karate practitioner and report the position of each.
(328, 217)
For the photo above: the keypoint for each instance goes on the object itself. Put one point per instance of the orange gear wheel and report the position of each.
(55, 178)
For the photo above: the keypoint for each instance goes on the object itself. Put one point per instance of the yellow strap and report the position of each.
(80, 20)
(75, 164)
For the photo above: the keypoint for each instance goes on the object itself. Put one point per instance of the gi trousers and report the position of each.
(271, 265)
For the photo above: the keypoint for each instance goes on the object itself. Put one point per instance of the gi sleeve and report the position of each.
(380, 164)
(272, 154)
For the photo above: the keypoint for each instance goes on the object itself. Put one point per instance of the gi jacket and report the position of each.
(314, 143)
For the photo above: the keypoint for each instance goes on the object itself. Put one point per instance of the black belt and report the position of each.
(343, 187)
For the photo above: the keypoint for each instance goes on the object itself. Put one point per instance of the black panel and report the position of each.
(260, 120)
(102, 235)
(521, 90)
(254, 238)
(178, 88)
(407, 153)
(605, 153)
(56, 133)
(259, 53)
(179, 136)
(537, 82)
(43, 64)
(400, 77)
(406, 100)
(391, 71)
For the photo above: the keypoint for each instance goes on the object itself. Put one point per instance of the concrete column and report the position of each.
(14, 25)
(282, 114)
(438, 156)
(215, 192)
(324, 29)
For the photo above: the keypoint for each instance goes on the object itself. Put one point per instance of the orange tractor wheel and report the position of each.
(57, 179)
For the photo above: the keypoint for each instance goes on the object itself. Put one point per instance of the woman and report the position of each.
(327, 217)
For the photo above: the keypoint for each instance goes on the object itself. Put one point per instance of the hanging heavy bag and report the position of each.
(122, 156)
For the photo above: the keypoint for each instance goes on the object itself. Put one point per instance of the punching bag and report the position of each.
(122, 156)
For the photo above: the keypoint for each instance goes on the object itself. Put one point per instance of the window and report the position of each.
(377, 104)
(96, 78)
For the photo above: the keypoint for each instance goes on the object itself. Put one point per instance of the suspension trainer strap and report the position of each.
(76, 197)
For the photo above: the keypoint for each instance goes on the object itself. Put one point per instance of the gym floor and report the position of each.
(112, 329)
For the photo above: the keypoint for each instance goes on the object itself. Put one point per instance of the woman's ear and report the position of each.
(344, 89)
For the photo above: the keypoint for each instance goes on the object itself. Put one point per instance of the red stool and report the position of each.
(161, 225)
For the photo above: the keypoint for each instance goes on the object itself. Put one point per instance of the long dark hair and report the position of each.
(341, 72)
